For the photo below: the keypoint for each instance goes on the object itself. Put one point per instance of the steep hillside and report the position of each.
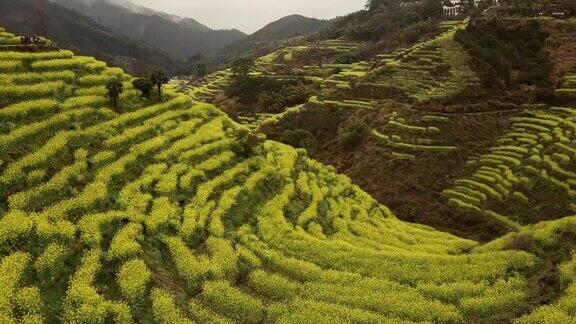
(278, 31)
(179, 36)
(171, 212)
(404, 124)
(82, 34)
(388, 23)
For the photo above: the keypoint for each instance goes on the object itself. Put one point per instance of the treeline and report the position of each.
(387, 23)
(507, 53)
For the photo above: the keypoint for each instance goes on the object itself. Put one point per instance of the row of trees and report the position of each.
(430, 8)
(157, 79)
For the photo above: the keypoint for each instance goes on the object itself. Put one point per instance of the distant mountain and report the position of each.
(82, 34)
(282, 29)
(180, 36)
(287, 27)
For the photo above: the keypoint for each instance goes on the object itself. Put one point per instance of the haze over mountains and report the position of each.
(282, 29)
(82, 34)
(250, 16)
(128, 34)
(177, 35)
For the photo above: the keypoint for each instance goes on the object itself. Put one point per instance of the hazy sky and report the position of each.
(251, 15)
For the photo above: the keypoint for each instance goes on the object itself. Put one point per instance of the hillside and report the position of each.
(171, 212)
(179, 36)
(388, 23)
(404, 124)
(276, 32)
(82, 34)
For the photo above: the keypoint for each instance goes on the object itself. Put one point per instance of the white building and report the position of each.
(452, 11)
(456, 8)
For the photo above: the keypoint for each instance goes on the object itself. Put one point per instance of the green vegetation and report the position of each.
(144, 85)
(388, 22)
(435, 69)
(269, 95)
(158, 79)
(114, 88)
(172, 212)
(566, 90)
(506, 55)
(530, 163)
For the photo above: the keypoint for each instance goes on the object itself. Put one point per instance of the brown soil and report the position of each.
(561, 48)
(412, 189)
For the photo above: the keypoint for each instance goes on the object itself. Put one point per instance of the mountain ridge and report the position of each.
(181, 36)
(275, 32)
(84, 35)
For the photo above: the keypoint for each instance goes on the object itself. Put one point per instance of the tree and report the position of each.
(201, 70)
(431, 9)
(242, 66)
(192, 61)
(144, 85)
(115, 88)
(387, 4)
(158, 78)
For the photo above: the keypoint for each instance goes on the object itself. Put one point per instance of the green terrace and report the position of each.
(435, 69)
(359, 104)
(535, 159)
(7, 38)
(566, 91)
(406, 140)
(328, 48)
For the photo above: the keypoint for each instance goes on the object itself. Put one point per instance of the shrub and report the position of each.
(165, 310)
(248, 141)
(498, 47)
(144, 85)
(133, 279)
(231, 302)
(241, 67)
(299, 138)
(353, 135)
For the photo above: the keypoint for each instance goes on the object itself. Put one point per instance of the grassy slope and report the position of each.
(158, 212)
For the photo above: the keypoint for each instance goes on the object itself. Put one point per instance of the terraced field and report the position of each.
(164, 212)
(212, 84)
(435, 69)
(528, 165)
(567, 88)
(273, 66)
(407, 141)
(7, 38)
